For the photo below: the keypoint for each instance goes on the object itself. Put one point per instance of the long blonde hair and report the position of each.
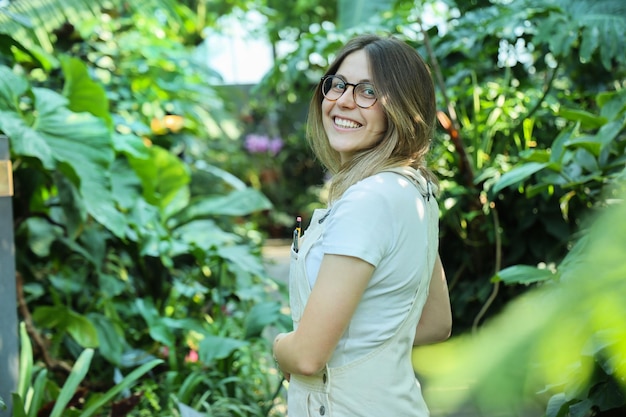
(406, 92)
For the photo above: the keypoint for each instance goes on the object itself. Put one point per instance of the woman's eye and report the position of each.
(368, 91)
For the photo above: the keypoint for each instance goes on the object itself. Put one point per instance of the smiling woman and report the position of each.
(366, 283)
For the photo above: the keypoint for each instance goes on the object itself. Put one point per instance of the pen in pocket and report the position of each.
(297, 233)
(299, 225)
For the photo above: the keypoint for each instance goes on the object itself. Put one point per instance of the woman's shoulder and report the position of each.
(383, 191)
(390, 180)
(377, 184)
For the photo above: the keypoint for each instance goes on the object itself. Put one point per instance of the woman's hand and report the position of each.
(278, 337)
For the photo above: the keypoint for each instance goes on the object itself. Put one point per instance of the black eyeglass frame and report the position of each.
(354, 87)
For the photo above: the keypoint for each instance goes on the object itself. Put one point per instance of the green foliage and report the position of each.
(134, 248)
(33, 390)
(136, 202)
(583, 158)
(564, 340)
(586, 28)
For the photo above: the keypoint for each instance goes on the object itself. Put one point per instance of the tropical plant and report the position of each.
(511, 364)
(532, 137)
(34, 386)
(130, 249)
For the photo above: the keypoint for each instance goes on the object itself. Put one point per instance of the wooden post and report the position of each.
(9, 356)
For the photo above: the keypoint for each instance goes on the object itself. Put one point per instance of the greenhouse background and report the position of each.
(153, 160)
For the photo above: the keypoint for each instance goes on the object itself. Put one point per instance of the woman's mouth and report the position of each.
(346, 124)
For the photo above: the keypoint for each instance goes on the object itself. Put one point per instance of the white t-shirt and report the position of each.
(381, 220)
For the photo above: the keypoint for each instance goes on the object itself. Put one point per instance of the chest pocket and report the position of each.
(295, 299)
(299, 289)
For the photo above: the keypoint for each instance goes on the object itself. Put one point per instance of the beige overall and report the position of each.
(382, 383)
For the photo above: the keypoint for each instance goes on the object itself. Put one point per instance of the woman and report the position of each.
(367, 270)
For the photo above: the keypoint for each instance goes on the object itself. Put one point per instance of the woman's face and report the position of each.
(349, 127)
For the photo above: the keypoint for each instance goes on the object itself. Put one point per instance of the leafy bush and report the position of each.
(561, 343)
(131, 247)
(147, 245)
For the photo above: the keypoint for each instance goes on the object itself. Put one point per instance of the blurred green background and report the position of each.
(158, 146)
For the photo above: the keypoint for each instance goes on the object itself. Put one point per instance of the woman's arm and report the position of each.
(334, 298)
(435, 324)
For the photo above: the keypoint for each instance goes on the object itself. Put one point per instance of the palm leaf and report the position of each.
(586, 27)
(32, 21)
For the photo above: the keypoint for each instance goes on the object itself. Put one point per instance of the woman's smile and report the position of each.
(346, 123)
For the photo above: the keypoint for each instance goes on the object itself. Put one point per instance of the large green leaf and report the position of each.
(131, 145)
(594, 25)
(523, 274)
(159, 331)
(12, 88)
(72, 205)
(84, 143)
(162, 175)
(84, 94)
(78, 144)
(612, 103)
(557, 406)
(61, 319)
(125, 384)
(518, 174)
(41, 235)
(237, 203)
(26, 362)
(204, 234)
(260, 316)
(9, 46)
(31, 18)
(242, 258)
(125, 184)
(78, 373)
(588, 120)
(110, 336)
(598, 142)
(544, 338)
(216, 347)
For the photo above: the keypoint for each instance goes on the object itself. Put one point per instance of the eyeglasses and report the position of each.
(364, 94)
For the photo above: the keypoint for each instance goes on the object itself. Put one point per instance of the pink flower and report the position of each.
(262, 143)
(275, 145)
(192, 356)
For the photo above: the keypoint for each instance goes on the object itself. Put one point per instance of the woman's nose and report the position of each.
(347, 98)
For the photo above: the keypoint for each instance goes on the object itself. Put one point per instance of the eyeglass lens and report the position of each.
(363, 93)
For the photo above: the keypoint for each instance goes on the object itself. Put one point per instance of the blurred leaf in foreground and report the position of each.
(558, 340)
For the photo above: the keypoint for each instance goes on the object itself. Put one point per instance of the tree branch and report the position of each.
(50, 362)
(498, 265)
(449, 121)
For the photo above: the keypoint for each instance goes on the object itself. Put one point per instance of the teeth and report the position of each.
(346, 123)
